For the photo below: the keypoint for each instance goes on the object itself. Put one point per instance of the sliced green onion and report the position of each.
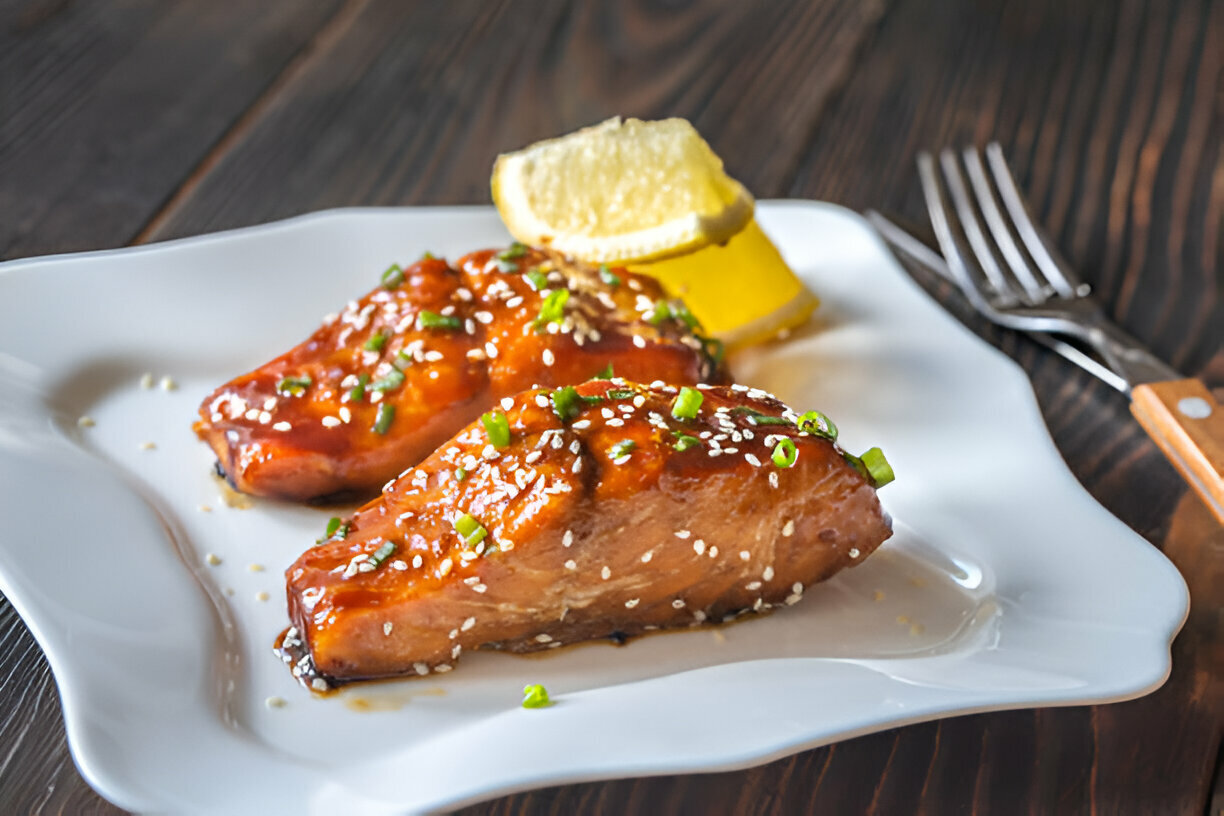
(497, 427)
(393, 277)
(662, 311)
(877, 466)
(552, 310)
(622, 448)
(565, 403)
(384, 418)
(684, 441)
(402, 359)
(460, 474)
(470, 530)
(393, 379)
(357, 392)
(608, 276)
(535, 696)
(755, 417)
(377, 341)
(504, 265)
(536, 278)
(620, 393)
(785, 453)
(817, 424)
(687, 403)
(432, 320)
(333, 524)
(516, 250)
(606, 374)
(294, 386)
(427, 256)
(343, 532)
(682, 311)
(713, 349)
(381, 554)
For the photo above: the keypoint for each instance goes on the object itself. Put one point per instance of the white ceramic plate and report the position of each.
(1005, 585)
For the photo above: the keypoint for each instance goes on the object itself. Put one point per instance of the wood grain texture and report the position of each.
(412, 102)
(1112, 116)
(105, 107)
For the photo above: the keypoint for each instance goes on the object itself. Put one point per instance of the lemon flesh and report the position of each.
(621, 191)
(742, 291)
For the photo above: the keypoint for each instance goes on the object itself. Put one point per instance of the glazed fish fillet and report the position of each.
(603, 510)
(385, 381)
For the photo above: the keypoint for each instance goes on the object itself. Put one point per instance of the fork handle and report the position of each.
(1187, 422)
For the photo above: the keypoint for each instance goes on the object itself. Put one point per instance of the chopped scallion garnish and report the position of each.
(470, 530)
(357, 392)
(536, 278)
(552, 310)
(713, 349)
(333, 527)
(817, 424)
(877, 466)
(785, 453)
(393, 277)
(606, 374)
(432, 320)
(681, 311)
(622, 448)
(428, 256)
(619, 393)
(384, 418)
(608, 276)
(535, 696)
(294, 386)
(516, 250)
(688, 403)
(684, 441)
(565, 403)
(381, 554)
(392, 380)
(377, 341)
(402, 359)
(497, 427)
(662, 311)
(755, 417)
(460, 474)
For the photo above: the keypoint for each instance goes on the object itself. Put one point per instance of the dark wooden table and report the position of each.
(128, 121)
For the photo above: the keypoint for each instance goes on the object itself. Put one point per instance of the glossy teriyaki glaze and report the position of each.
(394, 374)
(574, 514)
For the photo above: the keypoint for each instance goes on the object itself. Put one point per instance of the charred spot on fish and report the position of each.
(618, 637)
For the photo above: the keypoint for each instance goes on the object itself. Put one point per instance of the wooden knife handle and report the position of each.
(1187, 422)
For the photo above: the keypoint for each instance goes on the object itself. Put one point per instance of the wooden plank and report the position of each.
(106, 107)
(412, 102)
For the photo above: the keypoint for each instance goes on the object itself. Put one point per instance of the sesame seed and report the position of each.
(455, 651)
(168, 384)
(148, 446)
(507, 403)
(146, 380)
(752, 587)
(275, 702)
(204, 508)
(699, 547)
(330, 422)
(387, 628)
(745, 555)
(484, 317)
(854, 552)
(605, 573)
(319, 684)
(543, 638)
(773, 478)
(797, 588)
(442, 668)
(568, 538)
(606, 413)
(445, 567)
(261, 596)
(616, 423)
(571, 564)
(417, 560)
(646, 556)
(632, 602)
(620, 460)
(514, 302)
(639, 341)
(752, 460)
(713, 552)
(491, 350)
(581, 424)
(699, 616)
(788, 529)
(768, 574)
(677, 604)
(282, 426)
(255, 567)
(86, 422)
(421, 668)
(346, 415)
(682, 534)
(212, 559)
(541, 400)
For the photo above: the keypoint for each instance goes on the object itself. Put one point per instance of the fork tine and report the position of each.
(955, 182)
(948, 244)
(1057, 271)
(1035, 289)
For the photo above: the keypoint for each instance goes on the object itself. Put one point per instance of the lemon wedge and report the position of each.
(742, 291)
(654, 196)
(621, 191)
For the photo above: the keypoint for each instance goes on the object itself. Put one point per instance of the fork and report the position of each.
(1034, 289)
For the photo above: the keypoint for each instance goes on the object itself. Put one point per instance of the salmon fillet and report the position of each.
(607, 509)
(390, 377)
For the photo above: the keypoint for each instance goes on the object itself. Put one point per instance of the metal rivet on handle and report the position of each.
(1194, 407)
